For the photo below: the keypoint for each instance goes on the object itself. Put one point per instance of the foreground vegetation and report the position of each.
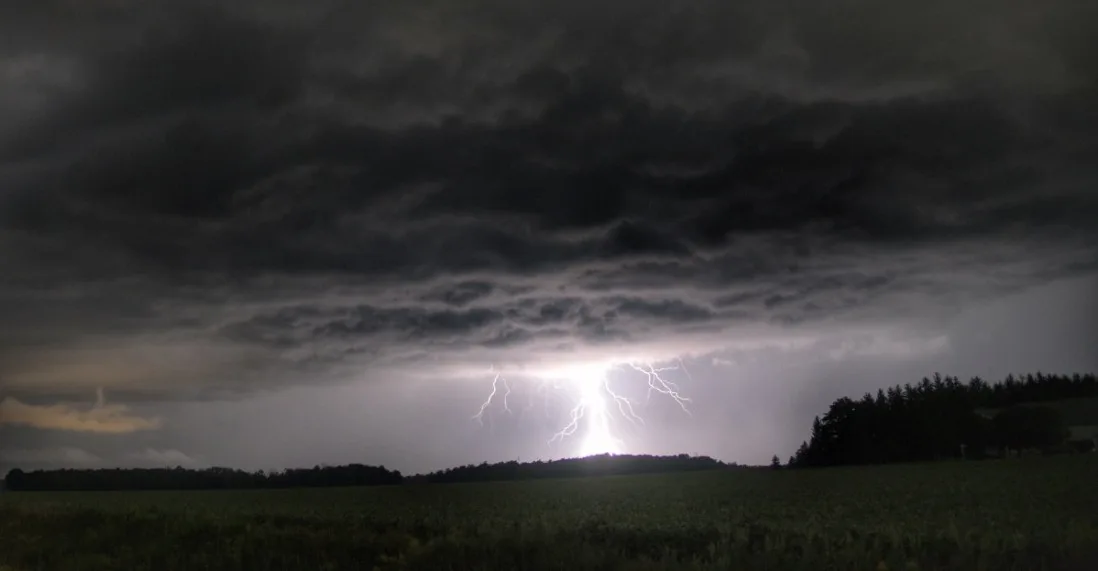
(1027, 513)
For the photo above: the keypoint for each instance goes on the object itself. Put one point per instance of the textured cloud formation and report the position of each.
(102, 418)
(206, 200)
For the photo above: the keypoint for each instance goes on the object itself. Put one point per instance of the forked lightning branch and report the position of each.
(597, 407)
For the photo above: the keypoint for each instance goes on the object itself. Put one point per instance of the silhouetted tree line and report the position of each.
(205, 479)
(605, 464)
(939, 418)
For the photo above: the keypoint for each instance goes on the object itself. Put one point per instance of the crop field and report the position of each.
(1039, 513)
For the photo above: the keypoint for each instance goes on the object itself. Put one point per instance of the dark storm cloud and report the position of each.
(266, 192)
(461, 293)
(505, 324)
(189, 59)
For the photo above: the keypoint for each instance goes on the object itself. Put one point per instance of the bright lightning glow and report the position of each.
(593, 414)
(657, 383)
(479, 416)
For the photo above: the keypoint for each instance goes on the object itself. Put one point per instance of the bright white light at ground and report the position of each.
(598, 438)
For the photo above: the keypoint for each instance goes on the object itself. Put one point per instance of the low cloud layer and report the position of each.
(210, 202)
(46, 458)
(102, 418)
(163, 458)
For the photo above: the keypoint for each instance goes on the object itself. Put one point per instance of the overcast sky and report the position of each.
(274, 234)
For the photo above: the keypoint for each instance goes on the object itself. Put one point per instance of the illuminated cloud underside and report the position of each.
(102, 418)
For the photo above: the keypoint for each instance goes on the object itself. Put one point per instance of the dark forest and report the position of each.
(941, 418)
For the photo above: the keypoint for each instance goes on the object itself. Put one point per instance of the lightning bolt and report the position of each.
(479, 416)
(657, 383)
(595, 403)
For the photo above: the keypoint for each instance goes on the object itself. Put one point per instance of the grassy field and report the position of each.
(1039, 513)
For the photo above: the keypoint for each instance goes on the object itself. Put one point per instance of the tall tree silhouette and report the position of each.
(939, 418)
